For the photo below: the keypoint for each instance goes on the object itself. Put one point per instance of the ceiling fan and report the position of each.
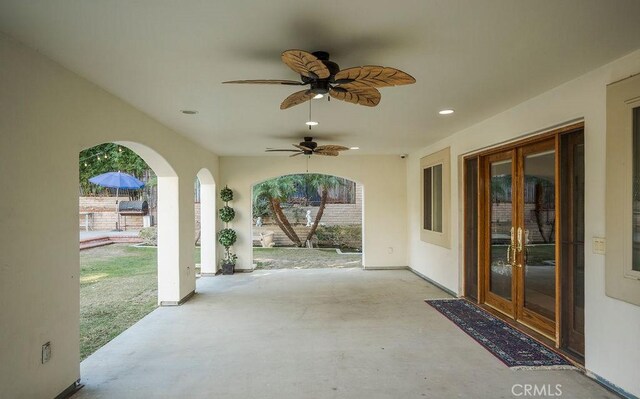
(357, 85)
(310, 147)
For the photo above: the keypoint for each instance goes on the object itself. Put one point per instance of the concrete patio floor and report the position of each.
(317, 333)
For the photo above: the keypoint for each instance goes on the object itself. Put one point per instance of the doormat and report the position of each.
(514, 348)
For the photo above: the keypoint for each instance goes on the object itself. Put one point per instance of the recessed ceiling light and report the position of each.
(189, 111)
(446, 112)
(318, 96)
(311, 123)
(354, 148)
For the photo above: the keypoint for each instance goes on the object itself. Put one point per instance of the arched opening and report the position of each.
(206, 221)
(320, 215)
(118, 283)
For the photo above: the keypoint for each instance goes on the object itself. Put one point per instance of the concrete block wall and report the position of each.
(104, 214)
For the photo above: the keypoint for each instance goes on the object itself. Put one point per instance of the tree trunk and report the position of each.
(283, 222)
(538, 210)
(323, 204)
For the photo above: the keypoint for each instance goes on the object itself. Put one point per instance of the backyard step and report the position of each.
(95, 242)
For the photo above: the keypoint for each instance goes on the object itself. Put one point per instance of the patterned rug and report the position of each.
(515, 349)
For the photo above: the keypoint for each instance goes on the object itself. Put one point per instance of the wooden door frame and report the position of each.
(484, 228)
(481, 210)
(568, 275)
(538, 322)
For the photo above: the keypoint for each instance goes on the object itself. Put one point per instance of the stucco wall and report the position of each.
(47, 115)
(612, 327)
(383, 180)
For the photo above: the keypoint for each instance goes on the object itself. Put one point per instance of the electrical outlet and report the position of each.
(390, 250)
(46, 352)
(599, 245)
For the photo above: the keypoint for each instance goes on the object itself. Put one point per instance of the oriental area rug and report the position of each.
(514, 348)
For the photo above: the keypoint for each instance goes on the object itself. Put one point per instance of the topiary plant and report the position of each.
(226, 194)
(227, 238)
(227, 214)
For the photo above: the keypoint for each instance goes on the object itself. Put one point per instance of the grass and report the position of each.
(303, 258)
(118, 287)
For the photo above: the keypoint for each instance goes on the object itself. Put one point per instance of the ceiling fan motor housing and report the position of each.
(321, 86)
(310, 144)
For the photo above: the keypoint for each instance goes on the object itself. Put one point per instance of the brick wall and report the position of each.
(104, 214)
(334, 215)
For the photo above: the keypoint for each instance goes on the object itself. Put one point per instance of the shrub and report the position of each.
(226, 194)
(149, 236)
(340, 236)
(227, 214)
(227, 237)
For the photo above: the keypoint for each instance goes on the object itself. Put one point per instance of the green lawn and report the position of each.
(118, 287)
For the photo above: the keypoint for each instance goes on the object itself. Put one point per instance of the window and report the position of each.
(622, 254)
(432, 198)
(435, 183)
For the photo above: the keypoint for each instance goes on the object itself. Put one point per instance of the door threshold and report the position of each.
(535, 334)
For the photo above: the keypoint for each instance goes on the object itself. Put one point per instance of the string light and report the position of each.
(100, 155)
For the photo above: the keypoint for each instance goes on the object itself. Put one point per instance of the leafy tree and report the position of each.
(322, 183)
(108, 157)
(276, 191)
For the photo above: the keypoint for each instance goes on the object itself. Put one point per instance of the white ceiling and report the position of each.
(478, 57)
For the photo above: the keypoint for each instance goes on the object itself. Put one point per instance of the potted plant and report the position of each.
(227, 236)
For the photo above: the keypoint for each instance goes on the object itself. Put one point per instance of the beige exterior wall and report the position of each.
(382, 178)
(47, 115)
(612, 326)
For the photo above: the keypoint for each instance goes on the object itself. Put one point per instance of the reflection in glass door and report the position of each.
(501, 213)
(536, 235)
(520, 233)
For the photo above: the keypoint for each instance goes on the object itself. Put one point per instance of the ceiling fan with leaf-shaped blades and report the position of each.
(357, 85)
(310, 147)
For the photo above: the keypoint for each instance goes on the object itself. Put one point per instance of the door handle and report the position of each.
(520, 244)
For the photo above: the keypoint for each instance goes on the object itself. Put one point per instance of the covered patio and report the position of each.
(318, 333)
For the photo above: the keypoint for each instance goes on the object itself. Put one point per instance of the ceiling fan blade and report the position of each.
(327, 153)
(375, 76)
(295, 155)
(296, 98)
(279, 150)
(363, 95)
(267, 82)
(331, 147)
(303, 148)
(306, 64)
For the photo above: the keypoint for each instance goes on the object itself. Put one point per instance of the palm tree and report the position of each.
(276, 191)
(323, 183)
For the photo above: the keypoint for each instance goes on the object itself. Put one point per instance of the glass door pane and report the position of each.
(501, 223)
(539, 220)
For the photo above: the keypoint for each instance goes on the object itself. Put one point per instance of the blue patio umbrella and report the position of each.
(117, 180)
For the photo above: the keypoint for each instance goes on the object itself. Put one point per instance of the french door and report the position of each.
(518, 241)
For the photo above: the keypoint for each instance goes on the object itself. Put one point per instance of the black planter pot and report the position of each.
(228, 268)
